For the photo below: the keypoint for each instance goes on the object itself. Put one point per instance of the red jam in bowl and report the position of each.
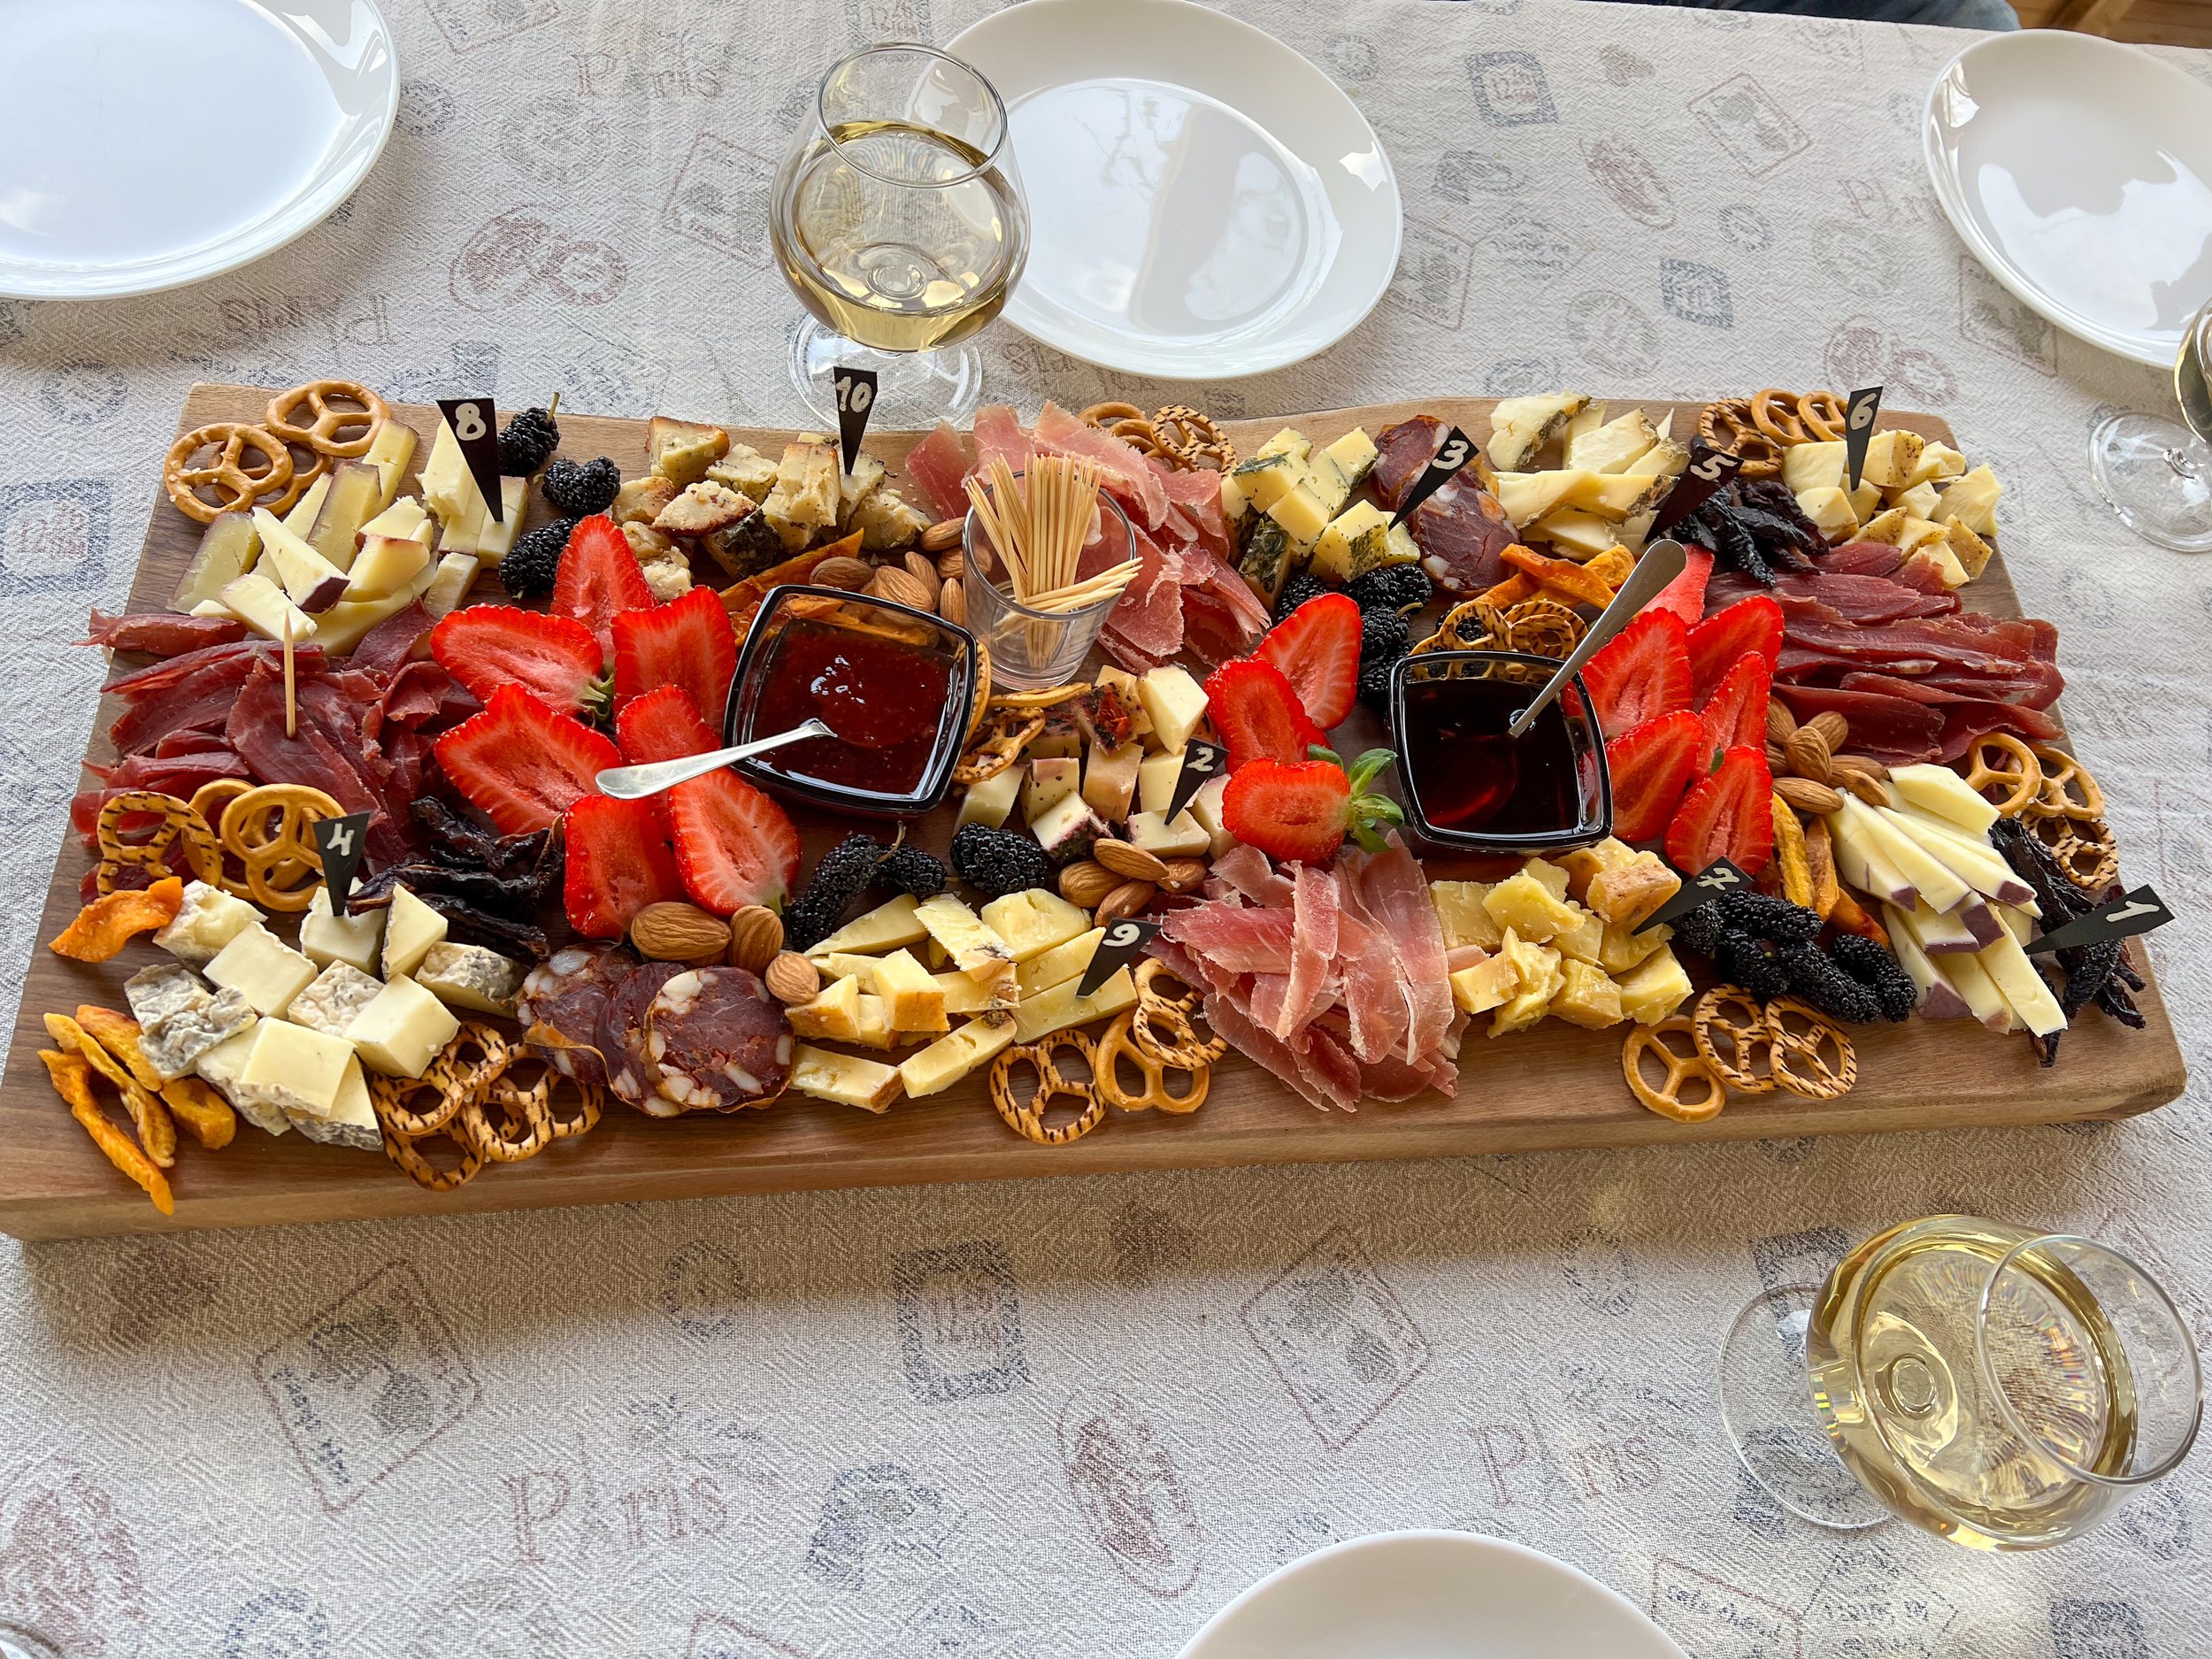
(885, 698)
(1470, 779)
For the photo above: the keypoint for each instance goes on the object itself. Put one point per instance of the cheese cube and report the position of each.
(1969, 549)
(403, 1030)
(1049, 783)
(1815, 466)
(330, 1004)
(1062, 962)
(1035, 921)
(1068, 829)
(1175, 702)
(833, 1015)
(1582, 942)
(263, 969)
(450, 580)
(808, 482)
(1058, 1006)
(351, 1119)
(220, 1067)
(384, 566)
(1485, 985)
(1526, 904)
(1353, 456)
(411, 928)
(180, 1019)
(1528, 496)
(1972, 501)
(886, 927)
(1184, 838)
(1156, 777)
(1622, 948)
(311, 581)
(683, 450)
(1890, 458)
(844, 1078)
(471, 976)
(989, 802)
(1828, 507)
(293, 1071)
(912, 999)
(208, 919)
(404, 519)
(1587, 997)
(1466, 919)
(1578, 535)
(1301, 512)
(745, 470)
(476, 531)
(1653, 990)
(873, 1021)
(1631, 890)
(1205, 806)
(390, 449)
(1266, 479)
(955, 1054)
(262, 606)
(446, 482)
(356, 940)
(1920, 500)
(1109, 779)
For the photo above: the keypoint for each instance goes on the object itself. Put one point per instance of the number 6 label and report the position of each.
(1858, 429)
(1124, 943)
(856, 391)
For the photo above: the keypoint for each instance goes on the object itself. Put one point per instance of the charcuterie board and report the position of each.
(1554, 1086)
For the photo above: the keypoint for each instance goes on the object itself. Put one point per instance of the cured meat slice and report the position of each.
(323, 753)
(1861, 558)
(1244, 870)
(1838, 596)
(1394, 894)
(620, 1033)
(1123, 467)
(1462, 531)
(1317, 912)
(1225, 1012)
(560, 1005)
(1889, 728)
(715, 1041)
(398, 640)
(1234, 939)
(938, 464)
(1197, 496)
(161, 633)
(159, 677)
(1965, 717)
(1146, 628)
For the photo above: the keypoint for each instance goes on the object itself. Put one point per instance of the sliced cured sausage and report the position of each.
(714, 1041)
(560, 1003)
(1462, 531)
(622, 1036)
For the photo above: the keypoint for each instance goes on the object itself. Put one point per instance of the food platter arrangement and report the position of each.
(1164, 791)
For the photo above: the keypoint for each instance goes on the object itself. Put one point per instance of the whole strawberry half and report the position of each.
(1728, 814)
(1300, 811)
(1316, 646)
(598, 579)
(617, 861)
(520, 764)
(554, 659)
(1258, 714)
(688, 642)
(734, 846)
(662, 725)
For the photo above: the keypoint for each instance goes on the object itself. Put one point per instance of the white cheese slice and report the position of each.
(451, 578)
(208, 919)
(402, 1030)
(263, 969)
(311, 581)
(219, 1069)
(293, 1069)
(180, 1019)
(844, 1078)
(262, 606)
(1176, 702)
(384, 566)
(356, 940)
(411, 928)
(389, 451)
(470, 976)
(955, 1054)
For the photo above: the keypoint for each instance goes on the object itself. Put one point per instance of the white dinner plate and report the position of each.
(1430, 1595)
(2079, 171)
(1203, 202)
(149, 143)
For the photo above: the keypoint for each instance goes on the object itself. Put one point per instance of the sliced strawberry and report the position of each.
(1749, 625)
(598, 579)
(1728, 814)
(1300, 811)
(734, 846)
(1258, 714)
(1317, 647)
(662, 725)
(618, 862)
(1685, 595)
(1650, 767)
(687, 643)
(521, 764)
(555, 658)
(1736, 713)
(1642, 673)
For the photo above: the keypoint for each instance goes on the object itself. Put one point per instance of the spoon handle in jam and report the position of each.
(630, 783)
(1661, 563)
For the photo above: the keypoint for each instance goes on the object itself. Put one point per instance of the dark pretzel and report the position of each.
(180, 825)
(1728, 426)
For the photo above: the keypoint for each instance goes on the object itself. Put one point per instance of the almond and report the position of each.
(1129, 861)
(672, 931)
(952, 603)
(1873, 791)
(944, 536)
(1808, 754)
(1866, 766)
(844, 571)
(1087, 884)
(899, 587)
(792, 978)
(1832, 726)
(952, 566)
(1183, 874)
(1777, 762)
(1807, 796)
(1125, 899)
(1780, 721)
(755, 938)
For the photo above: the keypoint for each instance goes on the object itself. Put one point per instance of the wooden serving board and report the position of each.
(1555, 1086)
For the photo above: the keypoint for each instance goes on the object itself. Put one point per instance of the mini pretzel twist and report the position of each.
(436, 1177)
(507, 1122)
(1690, 1091)
(1119, 1045)
(238, 486)
(1189, 438)
(1026, 1118)
(271, 831)
(558, 1089)
(1734, 1038)
(2068, 790)
(1822, 414)
(1813, 1056)
(1162, 1027)
(395, 1100)
(180, 825)
(1542, 627)
(1126, 422)
(1774, 412)
(2084, 845)
(1727, 425)
(326, 421)
(2000, 762)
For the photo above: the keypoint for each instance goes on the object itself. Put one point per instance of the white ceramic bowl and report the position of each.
(2080, 172)
(1203, 202)
(1429, 1595)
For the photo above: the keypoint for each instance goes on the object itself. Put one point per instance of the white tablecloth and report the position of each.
(1071, 1417)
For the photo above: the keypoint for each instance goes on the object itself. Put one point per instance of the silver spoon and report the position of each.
(1661, 563)
(631, 783)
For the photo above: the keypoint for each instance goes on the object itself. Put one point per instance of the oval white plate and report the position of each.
(1429, 1595)
(2079, 171)
(154, 143)
(1203, 202)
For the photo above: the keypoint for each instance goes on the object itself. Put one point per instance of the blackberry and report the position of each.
(1700, 930)
(841, 877)
(527, 442)
(528, 570)
(1383, 636)
(1393, 587)
(1813, 974)
(910, 869)
(582, 487)
(1296, 591)
(1374, 686)
(1880, 972)
(1769, 917)
(999, 862)
(1749, 963)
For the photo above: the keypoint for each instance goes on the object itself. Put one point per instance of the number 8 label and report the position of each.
(468, 422)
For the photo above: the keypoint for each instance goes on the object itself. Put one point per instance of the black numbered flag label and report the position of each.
(855, 402)
(1203, 763)
(1124, 943)
(1454, 452)
(338, 843)
(1716, 880)
(1709, 471)
(475, 423)
(2138, 913)
(1858, 430)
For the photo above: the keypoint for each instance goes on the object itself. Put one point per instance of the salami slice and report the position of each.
(622, 1037)
(561, 1003)
(716, 1040)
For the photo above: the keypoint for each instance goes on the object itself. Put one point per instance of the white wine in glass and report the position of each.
(898, 220)
(2004, 1389)
(2157, 474)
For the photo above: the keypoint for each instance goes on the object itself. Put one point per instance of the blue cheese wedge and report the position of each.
(351, 1119)
(292, 1071)
(207, 920)
(402, 1030)
(356, 940)
(180, 1019)
(220, 1067)
(338, 995)
(471, 976)
(410, 929)
(263, 969)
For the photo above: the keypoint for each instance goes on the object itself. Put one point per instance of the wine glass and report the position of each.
(2157, 474)
(2004, 1389)
(899, 222)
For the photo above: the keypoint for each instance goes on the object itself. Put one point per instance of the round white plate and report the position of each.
(2079, 171)
(1429, 1595)
(1203, 202)
(154, 143)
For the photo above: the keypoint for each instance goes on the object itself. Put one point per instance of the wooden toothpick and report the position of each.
(291, 698)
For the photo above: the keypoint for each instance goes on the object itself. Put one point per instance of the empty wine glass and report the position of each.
(2157, 474)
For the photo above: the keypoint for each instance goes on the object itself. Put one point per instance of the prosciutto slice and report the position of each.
(1965, 717)
(1131, 477)
(938, 464)
(1891, 729)
(1394, 895)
